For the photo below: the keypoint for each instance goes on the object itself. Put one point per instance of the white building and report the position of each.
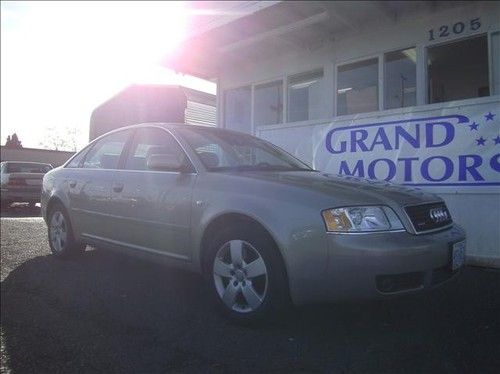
(402, 91)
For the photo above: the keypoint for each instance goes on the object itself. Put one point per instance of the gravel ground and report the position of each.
(111, 313)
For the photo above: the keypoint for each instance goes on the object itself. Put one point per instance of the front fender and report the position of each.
(52, 191)
(299, 236)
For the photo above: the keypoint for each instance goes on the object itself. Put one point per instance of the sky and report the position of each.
(60, 60)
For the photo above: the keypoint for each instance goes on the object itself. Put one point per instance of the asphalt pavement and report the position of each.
(111, 313)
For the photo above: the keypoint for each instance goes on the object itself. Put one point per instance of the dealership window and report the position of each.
(268, 103)
(400, 78)
(495, 57)
(237, 109)
(458, 70)
(357, 87)
(305, 92)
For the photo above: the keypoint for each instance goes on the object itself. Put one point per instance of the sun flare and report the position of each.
(65, 58)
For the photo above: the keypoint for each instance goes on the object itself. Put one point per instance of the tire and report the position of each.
(60, 234)
(246, 274)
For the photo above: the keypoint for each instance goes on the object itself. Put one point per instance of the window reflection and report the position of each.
(400, 75)
(305, 93)
(357, 87)
(458, 70)
(237, 108)
(268, 103)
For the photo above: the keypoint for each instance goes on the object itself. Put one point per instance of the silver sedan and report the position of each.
(262, 227)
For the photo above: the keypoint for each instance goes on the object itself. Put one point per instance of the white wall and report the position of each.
(360, 46)
(479, 212)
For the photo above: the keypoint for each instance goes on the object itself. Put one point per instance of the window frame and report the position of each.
(82, 152)
(458, 40)
(380, 82)
(223, 100)
(264, 83)
(96, 141)
(382, 91)
(284, 81)
(286, 84)
(422, 99)
(490, 33)
(131, 142)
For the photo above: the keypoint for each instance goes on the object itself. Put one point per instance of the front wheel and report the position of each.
(61, 240)
(248, 277)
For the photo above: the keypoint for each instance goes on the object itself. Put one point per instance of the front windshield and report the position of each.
(221, 150)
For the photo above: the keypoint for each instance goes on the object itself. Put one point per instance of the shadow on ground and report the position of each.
(111, 313)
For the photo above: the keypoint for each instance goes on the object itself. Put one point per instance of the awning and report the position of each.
(281, 26)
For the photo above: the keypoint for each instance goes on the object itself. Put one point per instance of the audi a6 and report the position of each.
(22, 181)
(264, 229)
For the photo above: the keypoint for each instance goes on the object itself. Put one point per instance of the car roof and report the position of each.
(26, 162)
(174, 126)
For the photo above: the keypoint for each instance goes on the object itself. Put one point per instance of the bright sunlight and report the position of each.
(62, 59)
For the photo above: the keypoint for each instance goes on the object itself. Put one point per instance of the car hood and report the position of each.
(342, 189)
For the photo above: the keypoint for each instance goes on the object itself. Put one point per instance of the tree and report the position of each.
(13, 142)
(66, 138)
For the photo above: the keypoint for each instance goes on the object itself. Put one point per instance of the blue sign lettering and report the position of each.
(448, 168)
(463, 168)
(417, 141)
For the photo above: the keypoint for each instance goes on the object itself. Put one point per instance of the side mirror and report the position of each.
(165, 162)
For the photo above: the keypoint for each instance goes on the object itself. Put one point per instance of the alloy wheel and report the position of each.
(240, 276)
(58, 231)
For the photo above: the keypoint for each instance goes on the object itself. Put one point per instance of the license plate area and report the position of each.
(457, 255)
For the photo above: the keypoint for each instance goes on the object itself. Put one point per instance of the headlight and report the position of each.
(361, 219)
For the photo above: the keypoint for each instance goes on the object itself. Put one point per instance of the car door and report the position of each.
(90, 183)
(152, 208)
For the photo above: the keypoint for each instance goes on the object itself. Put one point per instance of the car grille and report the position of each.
(428, 217)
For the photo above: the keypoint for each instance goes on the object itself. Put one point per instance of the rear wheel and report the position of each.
(61, 240)
(247, 274)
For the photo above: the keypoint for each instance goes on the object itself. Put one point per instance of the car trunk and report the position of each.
(25, 181)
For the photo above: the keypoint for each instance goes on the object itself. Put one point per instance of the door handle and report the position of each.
(72, 184)
(118, 187)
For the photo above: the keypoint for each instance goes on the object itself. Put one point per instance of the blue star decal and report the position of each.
(473, 126)
(497, 140)
(481, 141)
(489, 116)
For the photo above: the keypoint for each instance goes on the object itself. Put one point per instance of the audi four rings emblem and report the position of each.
(438, 214)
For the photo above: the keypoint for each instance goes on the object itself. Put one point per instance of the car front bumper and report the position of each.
(377, 265)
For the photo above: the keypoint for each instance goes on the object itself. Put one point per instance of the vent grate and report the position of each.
(429, 217)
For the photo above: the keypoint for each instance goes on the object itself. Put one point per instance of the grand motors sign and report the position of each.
(461, 148)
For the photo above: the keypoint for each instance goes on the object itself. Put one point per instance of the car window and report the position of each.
(105, 154)
(149, 141)
(28, 168)
(77, 159)
(221, 150)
